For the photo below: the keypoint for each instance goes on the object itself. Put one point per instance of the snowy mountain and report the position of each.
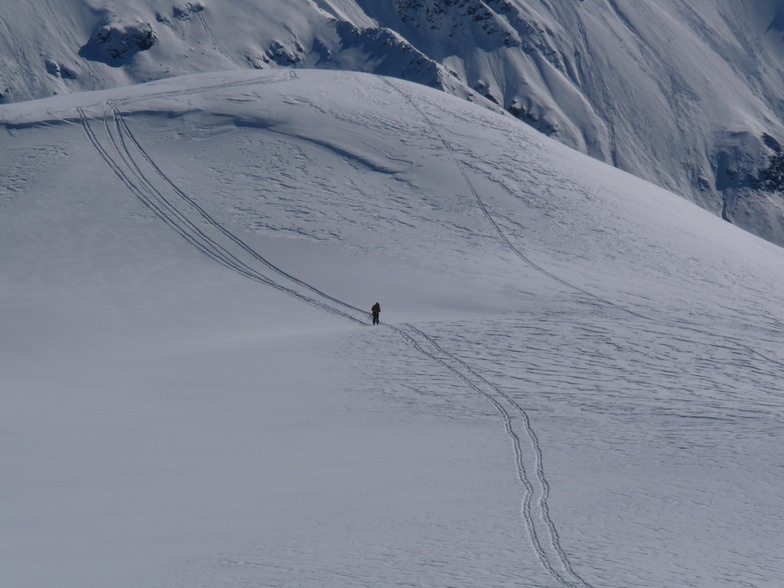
(576, 380)
(684, 93)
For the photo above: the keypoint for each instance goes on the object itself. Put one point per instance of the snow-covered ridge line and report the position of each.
(681, 93)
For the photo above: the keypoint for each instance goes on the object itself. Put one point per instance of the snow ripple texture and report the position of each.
(131, 163)
(622, 346)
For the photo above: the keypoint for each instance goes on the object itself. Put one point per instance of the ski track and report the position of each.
(136, 169)
(283, 76)
(218, 46)
(548, 559)
(534, 510)
(688, 326)
(128, 161)
(486, 213)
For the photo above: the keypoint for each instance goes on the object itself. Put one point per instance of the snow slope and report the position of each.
(576, 382)
(77, 45)
(679, 92)
(683, 93)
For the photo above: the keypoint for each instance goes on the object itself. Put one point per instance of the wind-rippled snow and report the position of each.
(576, 381)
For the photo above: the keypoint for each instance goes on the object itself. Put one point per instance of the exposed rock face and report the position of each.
(390, 54)
(116, 43)
(59, 70)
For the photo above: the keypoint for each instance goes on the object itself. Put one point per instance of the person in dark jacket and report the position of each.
(376, 310)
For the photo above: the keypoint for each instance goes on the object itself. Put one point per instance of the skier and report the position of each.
(376, 310)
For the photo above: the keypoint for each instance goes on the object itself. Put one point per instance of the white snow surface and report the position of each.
(576, 381)
(683, 93)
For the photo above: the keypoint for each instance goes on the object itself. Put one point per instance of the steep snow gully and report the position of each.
(136, 169)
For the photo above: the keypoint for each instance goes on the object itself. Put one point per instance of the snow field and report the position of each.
(575, 383)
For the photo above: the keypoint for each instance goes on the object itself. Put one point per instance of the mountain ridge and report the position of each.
(679, 93)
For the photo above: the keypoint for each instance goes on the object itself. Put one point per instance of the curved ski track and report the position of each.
(208, 30)
(502, 401)
(486, 213)
(534, 510)
(514, 249)
(536, 514)
(136, 169)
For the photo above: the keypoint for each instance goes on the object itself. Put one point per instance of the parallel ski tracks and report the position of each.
(542, 532)
(280, 76)
(137, 170)
(208, 30)
(535, 511)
